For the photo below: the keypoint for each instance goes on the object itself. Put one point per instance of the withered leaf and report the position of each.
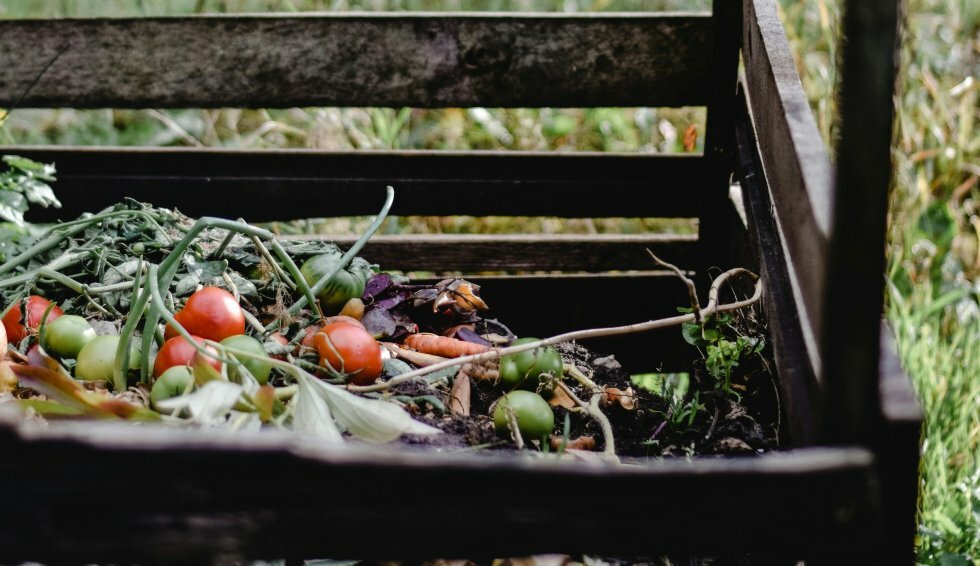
(459, 395)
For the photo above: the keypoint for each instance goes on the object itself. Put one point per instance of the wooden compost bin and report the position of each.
(99, 492)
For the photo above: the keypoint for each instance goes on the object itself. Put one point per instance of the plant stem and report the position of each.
(353, 251)
(712, 308)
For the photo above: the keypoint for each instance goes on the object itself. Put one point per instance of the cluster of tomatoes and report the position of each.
(211, 313)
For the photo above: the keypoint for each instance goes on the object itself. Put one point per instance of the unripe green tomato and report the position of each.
(259, 369)
(526, 369)
(340, 288)
(171, 383)
(95, 360)
(535, 420)
(66, 335)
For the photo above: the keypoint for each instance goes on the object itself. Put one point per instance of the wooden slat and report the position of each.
(713, 228)
(395, 59)
(545, 305)
(289, 184)
(794, 158)
(797, 380)
(474, 253)
(854, 295)
(897, 449)
(204, 496)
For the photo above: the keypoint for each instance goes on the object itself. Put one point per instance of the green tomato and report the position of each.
(526, 369)
(95, 360)
(66, 335)
(535, 420)
(258, 368)
(171, 383)
(345, 285)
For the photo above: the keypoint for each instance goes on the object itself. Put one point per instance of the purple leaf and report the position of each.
(376, 285)
(468, 335)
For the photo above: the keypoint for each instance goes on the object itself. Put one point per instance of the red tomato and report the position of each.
(170, 332)
(360, 353)
(17, 328)
(211, 313)
(179, 352)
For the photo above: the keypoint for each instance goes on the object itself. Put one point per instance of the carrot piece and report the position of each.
(443, 346)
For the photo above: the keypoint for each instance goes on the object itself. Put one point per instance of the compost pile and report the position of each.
(143, 314)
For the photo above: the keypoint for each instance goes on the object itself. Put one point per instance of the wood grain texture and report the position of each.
(854, 295)
(797, 380)
(713, 228)
(289, 184)
(793, 156)
(203, 496)
(394, 59)
(897, 447)
(474, 253)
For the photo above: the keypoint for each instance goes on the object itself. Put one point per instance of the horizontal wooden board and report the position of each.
(546, 305)
(290, 184)
(394, 59)
(474, 253)
(167, 495)
(793, 155)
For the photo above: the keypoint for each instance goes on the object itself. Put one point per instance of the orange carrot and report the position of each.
(443, 346)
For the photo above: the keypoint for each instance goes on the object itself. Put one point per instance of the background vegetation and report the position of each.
(934, 257)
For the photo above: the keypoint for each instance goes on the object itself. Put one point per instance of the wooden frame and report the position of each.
(847, 488)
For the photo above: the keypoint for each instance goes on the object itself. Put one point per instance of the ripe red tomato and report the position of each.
(18, 328)
(179, 352)
(360, 353)
(211, 313)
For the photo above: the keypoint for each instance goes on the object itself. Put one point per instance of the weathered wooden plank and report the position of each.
(713, 229)
(474, 253)
(794, 158)
(545, 305)
(289, 184)
(854, 295)
(393, 59)
(203, 496)
(897, 449)
(797, 380)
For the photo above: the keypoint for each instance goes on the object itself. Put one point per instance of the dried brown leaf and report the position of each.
(691, 138)
(614, 395)
(580, 443)
(560, 398)
(459, 395)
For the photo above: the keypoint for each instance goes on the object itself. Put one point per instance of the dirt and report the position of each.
(741, 423)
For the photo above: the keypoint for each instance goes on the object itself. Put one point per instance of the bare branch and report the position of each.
(692, 291)
(709, 310)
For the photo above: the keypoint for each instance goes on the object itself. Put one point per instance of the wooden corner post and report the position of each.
(714, 210)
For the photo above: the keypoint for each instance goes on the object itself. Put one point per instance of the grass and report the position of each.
(934, 263)
(934, 240)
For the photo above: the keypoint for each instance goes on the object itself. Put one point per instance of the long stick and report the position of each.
(712, 308)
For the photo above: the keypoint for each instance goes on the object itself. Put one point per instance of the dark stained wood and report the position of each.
(394, 59)
(545, 305)
(474, 253)
(854, 296)
(793, 156)
(897, 448)
(202, 496)
(290, 184)
(713, 230)
(797, 380)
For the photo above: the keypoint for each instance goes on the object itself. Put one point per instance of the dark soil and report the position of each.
(723, 423)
